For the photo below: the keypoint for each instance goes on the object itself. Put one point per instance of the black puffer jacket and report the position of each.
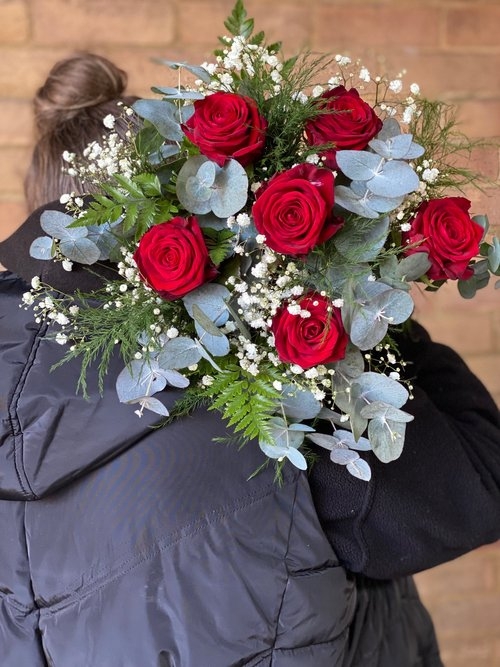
(126, 546)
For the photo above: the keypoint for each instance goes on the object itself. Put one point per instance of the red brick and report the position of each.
(480, 117)
(206, 20)
(474, 616)
(457, 652)
(467, 575)
(90, 22)
(297, 19)
(13, 165)
(448, 299)
(473, 27)
(495, 321)
(448, 76)
(142, 71)
(16, 123)
(483, 161)
(454, 329)
(487, 201)
(12, 214)
(23, 70)
(14, 21)
(361, 29)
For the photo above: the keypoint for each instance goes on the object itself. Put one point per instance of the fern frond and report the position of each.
(246, 402)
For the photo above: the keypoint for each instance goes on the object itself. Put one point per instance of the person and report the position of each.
(125, 545)
(79, 93)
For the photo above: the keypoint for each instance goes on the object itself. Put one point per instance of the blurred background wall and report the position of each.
(450, 47)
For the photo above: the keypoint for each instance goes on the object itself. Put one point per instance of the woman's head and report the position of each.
(79, 92)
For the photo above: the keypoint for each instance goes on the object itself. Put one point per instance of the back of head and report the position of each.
(79, 92)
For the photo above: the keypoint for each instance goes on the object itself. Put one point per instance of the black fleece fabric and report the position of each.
(441, 498)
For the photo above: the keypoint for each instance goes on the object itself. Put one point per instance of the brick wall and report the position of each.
(450, 47)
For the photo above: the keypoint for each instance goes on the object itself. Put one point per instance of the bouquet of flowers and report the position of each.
(265, 221)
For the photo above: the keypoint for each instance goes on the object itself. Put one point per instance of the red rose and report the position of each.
(294, 209)
(444, 229)
(309, 341)
(348, 122)
(226, 125)
(173, 259)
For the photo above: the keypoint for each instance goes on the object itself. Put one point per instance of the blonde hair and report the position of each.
(79, 92)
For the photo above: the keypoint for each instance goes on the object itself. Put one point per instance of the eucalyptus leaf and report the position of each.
(398, 147)
(394, 304)
(414, 266)
(347, 438)
(206, 355)
(211, 221)
(286, 444)
(81, 250)
(396, 179)
(205, 322)
(106, 238)
(381, 410)
(296, 457)
(384, 204)
(392, 148)
(373, 240)
(163, 115)
(42, 248)
(352, 365)
(359, 165)
(299, 403)
(387, 439)
(179, 353)
(199, 187)
(343, 456)
(197, 70)
(468, 288)
(166, 151)
(494, 255)
(177, 93)
(343, 397)
(218, 345)
(370, 322)
(322, 440)
(137, 380)
(231, 190)
(390, 129)
(378, 387)
(186, 191)
(56, 224)
(211, 299)
(174, 378)
(367, 328)
(350, 201)
(153, 404)
(357, 422)
(482, 221)
(303, 428)
(360, 469)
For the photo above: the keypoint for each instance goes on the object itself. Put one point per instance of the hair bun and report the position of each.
(76, 83)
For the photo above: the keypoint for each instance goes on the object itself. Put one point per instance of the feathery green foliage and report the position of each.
(246, 401)
(435, 126)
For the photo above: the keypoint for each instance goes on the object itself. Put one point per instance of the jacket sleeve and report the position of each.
(441, 498)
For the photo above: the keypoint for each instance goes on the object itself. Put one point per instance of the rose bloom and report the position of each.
(294, 209)
(309, 341)
(173, 259)
(444, 229)
(227, 125)
(348, 122)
